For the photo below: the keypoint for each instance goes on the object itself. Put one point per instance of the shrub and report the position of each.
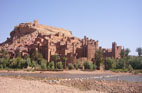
(70, 66)
(130, 68)
(94, 67)
(28, 61)
(34, 63)
(110, 63)
(136, 62)
(77, 65)
(121, 64)
(86, 64)
(43, 64)
(89, 65)
(59, 65)
(51, 65)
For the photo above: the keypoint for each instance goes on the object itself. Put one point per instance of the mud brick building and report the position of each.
(28, 37)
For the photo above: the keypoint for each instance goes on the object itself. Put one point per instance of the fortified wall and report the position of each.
(28, 37)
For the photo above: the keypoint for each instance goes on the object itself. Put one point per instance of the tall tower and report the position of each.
(114, 49)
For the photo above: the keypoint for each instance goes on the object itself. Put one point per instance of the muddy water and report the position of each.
(111, 77)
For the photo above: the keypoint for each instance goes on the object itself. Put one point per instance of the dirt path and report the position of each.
(13, 85)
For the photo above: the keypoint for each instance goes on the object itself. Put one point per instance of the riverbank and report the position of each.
(14, 85)
(36, 85)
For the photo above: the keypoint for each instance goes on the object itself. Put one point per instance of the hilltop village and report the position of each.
(29, 37)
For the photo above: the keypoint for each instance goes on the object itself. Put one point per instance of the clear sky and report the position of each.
(103, 20)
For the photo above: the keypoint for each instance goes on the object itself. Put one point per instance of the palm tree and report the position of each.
(99, 58)
(122, 53)
(65, 60)
(56, 58)
(139, 50)
(127, 51)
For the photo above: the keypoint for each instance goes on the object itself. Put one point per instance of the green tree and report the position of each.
(56, 58)
(139, 50)
(51, 65)
(110, 63)
(36, 55)
(65, 61)
(29, 62)
(122, 53)
(70, 66)
(77, 65)
(130, 68)
(59, 65)
(88, 65)
(121, 64)
(98, 58)
(136, 62)
(127, 51)
(43, 64)
(94, 66)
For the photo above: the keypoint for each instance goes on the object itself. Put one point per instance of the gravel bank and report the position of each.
(13, 85)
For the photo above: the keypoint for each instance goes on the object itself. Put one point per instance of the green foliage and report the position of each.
(136, 62)
(98, 58)
(127, 51)
(70, 66)
(119, 70)
(122, 54)
(59, 65)
(121, 64)
(94, 66)
(43, 64)
(110, 63)
(77, 65)
(36, 56)
(51, 66)
(56, 57)
(89, 65)
(29, 62)
(86, 64)
(130, 68)
(33, 63)
(139, 50)
(65, 62)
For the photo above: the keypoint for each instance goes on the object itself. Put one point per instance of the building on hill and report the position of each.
(29, 37)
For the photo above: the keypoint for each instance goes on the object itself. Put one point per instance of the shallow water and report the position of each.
(111, 77)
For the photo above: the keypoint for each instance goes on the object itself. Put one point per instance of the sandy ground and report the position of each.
(25, 85)
(13, 85)
(68, 72)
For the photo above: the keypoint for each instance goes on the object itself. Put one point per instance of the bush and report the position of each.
(70, 66)
(51, 66)
(121, 64)
(89, 65)
(34, 63)
(94, 67)
(59, 65)
(28, 61)
(136, 62)
(110, 63)
(86, 65)
(43, 64)
(77, 65)
(130, 68)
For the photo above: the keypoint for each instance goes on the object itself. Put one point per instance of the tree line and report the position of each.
(37, 61)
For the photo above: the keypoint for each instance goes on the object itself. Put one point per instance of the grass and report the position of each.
(119, 70)
(135, 71)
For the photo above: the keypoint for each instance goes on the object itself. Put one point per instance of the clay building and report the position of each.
(28, 37)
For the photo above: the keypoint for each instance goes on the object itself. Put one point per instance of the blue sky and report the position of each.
(103, 20)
